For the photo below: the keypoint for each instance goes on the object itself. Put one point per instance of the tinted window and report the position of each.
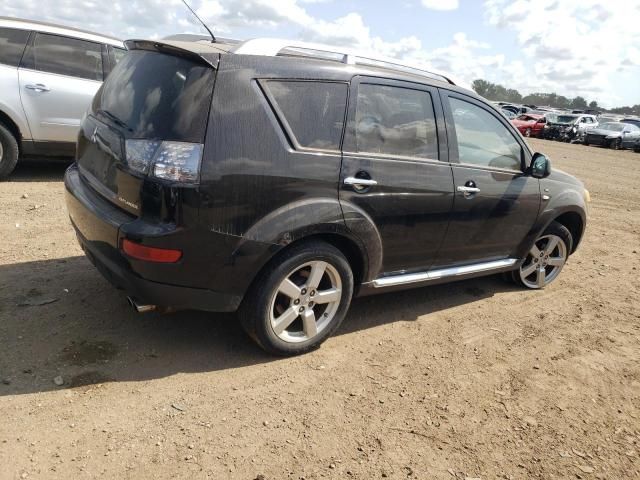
(12, 43)
(395, 121)
(313, 110)
(65, 56)
(482, 139)
(157, 96)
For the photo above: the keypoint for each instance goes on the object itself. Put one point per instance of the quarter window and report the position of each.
(118, 54)
(395, 121)
(482, 139)
(314, 111)
(65, 56)
(12, 43)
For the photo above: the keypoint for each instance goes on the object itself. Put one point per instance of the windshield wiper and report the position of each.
(114, 119)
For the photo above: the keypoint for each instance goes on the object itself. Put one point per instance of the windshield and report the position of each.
(566, 119)
(153, 95)
(612, 127)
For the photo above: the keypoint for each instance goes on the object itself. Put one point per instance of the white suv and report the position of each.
(48, 77)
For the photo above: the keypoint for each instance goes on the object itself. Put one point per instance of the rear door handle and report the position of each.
(38, 87)
(361, 182)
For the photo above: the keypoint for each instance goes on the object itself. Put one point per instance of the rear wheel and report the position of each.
(616, 144)
(299, 300)
(546, 258)
(8, 152)
(527, 132)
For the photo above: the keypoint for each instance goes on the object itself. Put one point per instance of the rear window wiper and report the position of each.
(114, 119)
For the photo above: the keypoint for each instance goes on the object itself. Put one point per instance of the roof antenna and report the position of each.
(213, 37)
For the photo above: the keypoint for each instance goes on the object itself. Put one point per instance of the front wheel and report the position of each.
(527, 132)
(545, 259)
(616, 144)
(299, 300)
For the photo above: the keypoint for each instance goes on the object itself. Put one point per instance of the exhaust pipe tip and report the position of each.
(140, 308)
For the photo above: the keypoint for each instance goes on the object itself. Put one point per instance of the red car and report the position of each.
(530, 124)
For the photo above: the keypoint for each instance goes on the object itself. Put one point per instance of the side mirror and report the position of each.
(540, 166)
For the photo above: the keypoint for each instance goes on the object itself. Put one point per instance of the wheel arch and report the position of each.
(574, 222)
(12, 126)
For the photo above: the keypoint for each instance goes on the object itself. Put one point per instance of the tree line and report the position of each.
(493, 91)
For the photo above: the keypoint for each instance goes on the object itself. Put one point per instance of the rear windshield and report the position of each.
(157, 96)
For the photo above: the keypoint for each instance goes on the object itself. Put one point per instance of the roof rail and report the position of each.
(273, 47)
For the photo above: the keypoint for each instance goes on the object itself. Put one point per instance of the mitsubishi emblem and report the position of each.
(94, 135)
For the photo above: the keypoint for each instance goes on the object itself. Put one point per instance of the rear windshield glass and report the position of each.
(157, 96)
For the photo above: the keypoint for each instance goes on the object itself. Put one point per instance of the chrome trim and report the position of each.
(465, 189)
(359, 181)
(443, 273)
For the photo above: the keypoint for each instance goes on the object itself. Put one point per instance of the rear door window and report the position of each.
(12, 43)
(71, 57)
(395, 121)
(313, 111)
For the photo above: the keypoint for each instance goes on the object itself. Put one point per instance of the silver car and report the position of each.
(48, 77)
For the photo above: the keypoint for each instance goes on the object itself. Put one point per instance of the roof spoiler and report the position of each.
(210, 59)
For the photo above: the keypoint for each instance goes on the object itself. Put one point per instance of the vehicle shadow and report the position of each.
(35, 170)
(61, 318)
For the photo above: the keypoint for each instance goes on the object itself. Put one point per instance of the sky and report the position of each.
(572, 47)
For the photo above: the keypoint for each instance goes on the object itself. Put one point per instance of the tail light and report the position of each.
(175, 161)
(150, 254)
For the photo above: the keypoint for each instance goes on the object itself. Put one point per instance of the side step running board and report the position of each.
(443, 273)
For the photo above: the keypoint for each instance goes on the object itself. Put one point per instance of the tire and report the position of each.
(527, 132)
(266, 304)
(551, 251)
(616, 144)
(8, 152)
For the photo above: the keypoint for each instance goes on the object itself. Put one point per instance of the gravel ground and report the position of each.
(475, 379)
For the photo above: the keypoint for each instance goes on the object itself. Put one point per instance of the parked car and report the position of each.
(636, 147)
(508, 113)
(530, 125)
(632, 121)
(48, 76)
(614, 135)
(280, 179)
(566, 127)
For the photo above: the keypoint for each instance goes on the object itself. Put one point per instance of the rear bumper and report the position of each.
(98, 226)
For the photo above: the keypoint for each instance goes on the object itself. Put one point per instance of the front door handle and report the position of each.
(38, 87)
(360, 182)
(466, 189)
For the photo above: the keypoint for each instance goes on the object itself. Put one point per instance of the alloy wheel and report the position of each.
(527, 132)
(305, 302)
(544, 261)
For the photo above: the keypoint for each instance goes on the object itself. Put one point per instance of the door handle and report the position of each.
(38, 87)
(468, 192)
(360, 182)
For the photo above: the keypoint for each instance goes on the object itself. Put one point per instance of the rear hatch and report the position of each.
(151, 110)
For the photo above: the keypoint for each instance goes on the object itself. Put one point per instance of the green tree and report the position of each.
(579, 103)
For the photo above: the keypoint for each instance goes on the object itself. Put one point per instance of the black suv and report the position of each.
(283, 181)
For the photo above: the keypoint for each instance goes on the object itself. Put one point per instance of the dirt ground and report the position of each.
(476, 379)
